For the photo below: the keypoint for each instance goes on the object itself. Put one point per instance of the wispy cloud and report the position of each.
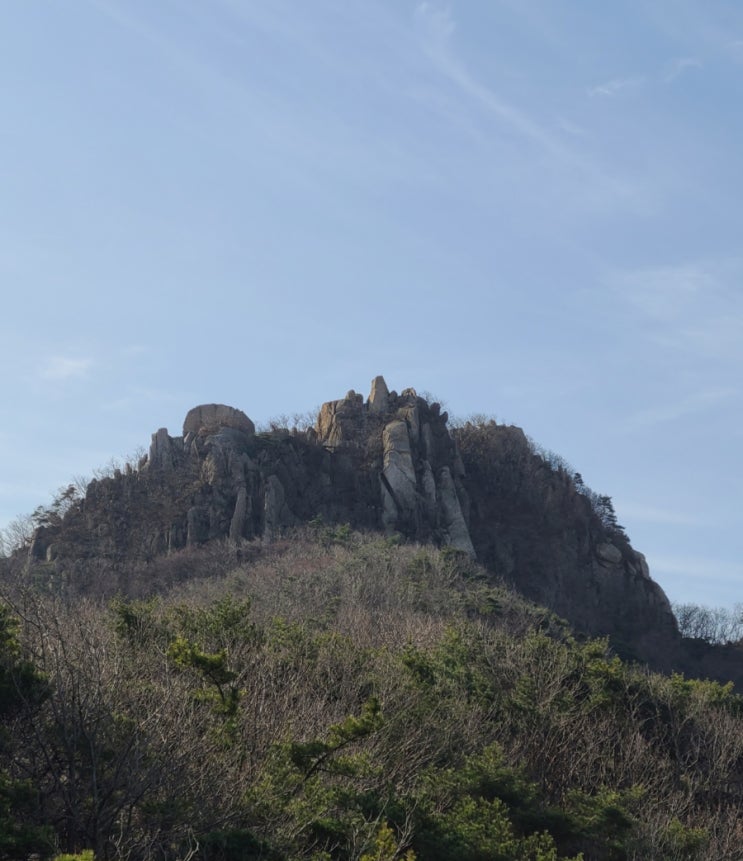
(641, 513)
(60, 368)
(133, 350)
(735, 49)
(697, 567)
(570, 127)
(698, 402)
(437, 27)
(694, 307)
(435, 21)
(664, 292)
(672, 70)
(616, 85)
(133, 396)
(302, 138)
(685, 322)
(677, 67)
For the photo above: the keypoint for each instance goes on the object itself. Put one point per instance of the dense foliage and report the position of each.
(342, 697)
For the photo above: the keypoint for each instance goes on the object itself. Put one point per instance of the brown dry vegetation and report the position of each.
(336, 696)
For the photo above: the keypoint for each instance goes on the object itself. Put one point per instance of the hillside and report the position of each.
(333, 696)
(366, 640)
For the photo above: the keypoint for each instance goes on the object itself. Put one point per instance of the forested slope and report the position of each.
(340, 696)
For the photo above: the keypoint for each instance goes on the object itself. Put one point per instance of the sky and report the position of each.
(531, 209)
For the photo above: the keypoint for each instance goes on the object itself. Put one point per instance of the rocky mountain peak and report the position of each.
(388, 463)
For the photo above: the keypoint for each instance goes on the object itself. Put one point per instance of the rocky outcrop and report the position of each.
(387, 463)
(162, 454)
(532, 525)
(455, 526)
(341, 422)
(404, 445)
(398, 479)
(209, 418)
(379, 396)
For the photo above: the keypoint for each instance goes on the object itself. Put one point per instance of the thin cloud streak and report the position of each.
(677, 68)
(664, 292)
(650, 514)
(699, 402)
(694, 308)
(697, 567)
(736, 49)
(437, 28)
(60, 368)
(138, 395)
(571, 128)
(616, 85)
(134, 350)
(296, 135)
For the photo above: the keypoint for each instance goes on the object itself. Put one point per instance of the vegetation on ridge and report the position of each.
(343, 697)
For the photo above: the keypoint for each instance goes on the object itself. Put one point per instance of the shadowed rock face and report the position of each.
(388, 463)
(531, 525)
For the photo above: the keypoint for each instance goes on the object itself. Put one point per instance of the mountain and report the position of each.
(391, 464)
(308, 645)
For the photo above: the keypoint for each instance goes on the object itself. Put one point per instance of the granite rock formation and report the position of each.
(387, 463)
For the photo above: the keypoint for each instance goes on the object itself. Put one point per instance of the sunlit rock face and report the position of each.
(212, 417)
(401, 446)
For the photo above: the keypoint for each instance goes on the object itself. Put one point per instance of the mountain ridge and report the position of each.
(387, 463)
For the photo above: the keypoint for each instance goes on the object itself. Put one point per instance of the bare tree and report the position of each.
(714, 624)
(17, 534)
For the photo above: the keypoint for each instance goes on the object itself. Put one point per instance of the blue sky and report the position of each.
(531, 208)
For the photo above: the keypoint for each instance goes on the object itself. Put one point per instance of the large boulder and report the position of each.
(208, 418)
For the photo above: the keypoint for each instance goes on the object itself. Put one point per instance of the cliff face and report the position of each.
(532, 525)
(387, 463)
